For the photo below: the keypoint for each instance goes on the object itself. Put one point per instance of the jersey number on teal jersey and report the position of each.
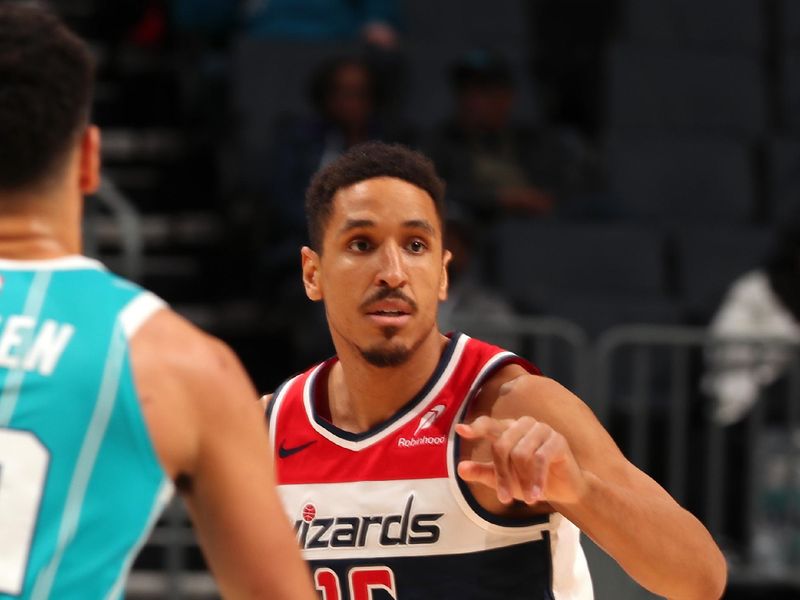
(23, 471)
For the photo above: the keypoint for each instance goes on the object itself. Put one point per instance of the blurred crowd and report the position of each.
(225, 108)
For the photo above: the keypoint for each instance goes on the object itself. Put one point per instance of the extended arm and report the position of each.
(538, 443)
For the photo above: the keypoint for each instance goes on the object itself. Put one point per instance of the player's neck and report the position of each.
(362, 396)
(34, 229)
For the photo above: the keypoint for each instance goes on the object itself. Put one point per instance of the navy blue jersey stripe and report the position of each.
(462, 485)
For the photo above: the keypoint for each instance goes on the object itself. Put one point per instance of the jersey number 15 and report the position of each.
(361, 580)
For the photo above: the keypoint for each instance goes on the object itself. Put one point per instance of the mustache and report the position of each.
(388, 294)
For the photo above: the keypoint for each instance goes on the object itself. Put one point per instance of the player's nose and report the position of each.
(391, 269)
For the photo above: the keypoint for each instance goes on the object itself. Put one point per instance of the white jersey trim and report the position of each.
(571, 577)
(138, 310)
(399, 423)
(63, 263)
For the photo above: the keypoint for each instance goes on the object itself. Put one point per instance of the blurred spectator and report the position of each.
(763, 303)
(492, 165)
(469, 299)
(373, 21)
(348, 110)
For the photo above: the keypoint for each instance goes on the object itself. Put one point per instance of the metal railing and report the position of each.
(647, 387)
(109, 199)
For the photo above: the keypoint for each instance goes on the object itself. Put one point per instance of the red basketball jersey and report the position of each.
(383, 514)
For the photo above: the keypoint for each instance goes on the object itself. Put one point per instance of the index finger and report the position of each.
(484, 428)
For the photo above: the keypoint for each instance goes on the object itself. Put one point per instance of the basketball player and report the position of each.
(106, 396)
(428, 466)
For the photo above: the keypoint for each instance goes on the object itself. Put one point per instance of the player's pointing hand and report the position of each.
(530, 462)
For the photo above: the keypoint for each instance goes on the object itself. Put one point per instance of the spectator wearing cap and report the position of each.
(494, 166)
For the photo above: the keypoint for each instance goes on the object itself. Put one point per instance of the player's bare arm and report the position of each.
(533, 446)
(199, 407)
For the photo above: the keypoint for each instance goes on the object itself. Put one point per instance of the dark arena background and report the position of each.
(623, 193)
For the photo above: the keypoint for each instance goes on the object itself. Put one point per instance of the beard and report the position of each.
(390, 354)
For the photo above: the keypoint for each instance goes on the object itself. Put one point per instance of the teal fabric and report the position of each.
(289, 19)
(104, 483)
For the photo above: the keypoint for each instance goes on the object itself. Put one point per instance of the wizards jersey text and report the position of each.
(382, 514)
(80, 483)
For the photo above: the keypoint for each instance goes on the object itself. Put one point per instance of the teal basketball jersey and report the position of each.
(80, 483)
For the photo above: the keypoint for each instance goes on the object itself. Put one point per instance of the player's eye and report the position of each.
(359, 245)
(417, 246)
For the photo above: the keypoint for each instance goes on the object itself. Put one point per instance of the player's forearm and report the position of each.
(659, 544)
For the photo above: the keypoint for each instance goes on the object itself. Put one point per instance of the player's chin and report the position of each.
(386, 355)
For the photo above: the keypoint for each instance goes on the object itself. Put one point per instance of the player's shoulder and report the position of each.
(513, 392)
(168, 341)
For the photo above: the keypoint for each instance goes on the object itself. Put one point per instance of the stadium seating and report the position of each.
(784, 179)
(722, 24)
(681, 180)
(710, 258)
(468, 22)
(596, 275)
(680, 91)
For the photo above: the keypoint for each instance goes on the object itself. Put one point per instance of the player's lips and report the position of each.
(390, 312)
(389, 319)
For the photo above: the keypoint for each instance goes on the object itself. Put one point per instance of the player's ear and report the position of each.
(443, 282)
(89, 173)
(311, 280)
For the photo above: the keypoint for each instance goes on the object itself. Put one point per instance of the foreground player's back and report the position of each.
(80, 483)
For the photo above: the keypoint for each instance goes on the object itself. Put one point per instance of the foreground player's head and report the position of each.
(375, 220)
(46, 75)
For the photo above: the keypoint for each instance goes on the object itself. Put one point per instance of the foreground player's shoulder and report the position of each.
(169, 342)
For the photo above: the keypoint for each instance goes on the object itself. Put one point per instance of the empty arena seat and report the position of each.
(681, 180)
(597, 275)
(789, 22)
(710, 258)
(681, 91)
(724, 24)
(790, 92)
(470, 22)
(784, 179)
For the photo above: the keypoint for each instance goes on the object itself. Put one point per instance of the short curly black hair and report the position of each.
(362, 162)
(46, 80)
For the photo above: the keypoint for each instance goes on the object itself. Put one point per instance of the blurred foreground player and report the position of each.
(418, 465)
(106, 396)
